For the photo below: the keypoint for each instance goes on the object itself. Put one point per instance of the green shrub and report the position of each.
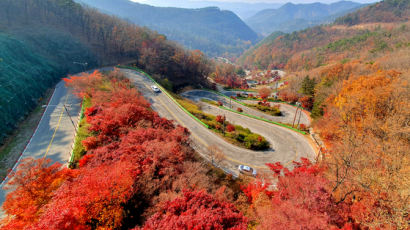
(82, 133)
(255, 142)
(210, 102)
(270, 110)
(240, 137)
(211, 123)
(231, 135)
(167, 84)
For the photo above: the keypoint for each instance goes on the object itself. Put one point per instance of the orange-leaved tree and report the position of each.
(369, 156)
(264, 92)
(32, 187)
(302, 199)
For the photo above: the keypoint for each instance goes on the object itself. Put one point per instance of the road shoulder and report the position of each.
(14, 145)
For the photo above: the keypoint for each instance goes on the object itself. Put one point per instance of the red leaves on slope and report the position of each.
(85, 84)
(35, 182)
(118, 111)
(197, 210)
(133, 156)
(144, 151)
(160, 149)
(301, 199)
(94, 198)
(253, 190)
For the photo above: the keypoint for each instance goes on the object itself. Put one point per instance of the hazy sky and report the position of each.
(273, 1)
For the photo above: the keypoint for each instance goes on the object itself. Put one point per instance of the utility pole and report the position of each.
(300, 114)
(83, 64)
(297, 109)
(72, 122)
(223, 124)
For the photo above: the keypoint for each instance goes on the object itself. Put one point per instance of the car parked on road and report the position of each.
(244, 169)
(155, 88)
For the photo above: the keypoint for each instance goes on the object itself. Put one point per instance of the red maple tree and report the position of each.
(197, 210)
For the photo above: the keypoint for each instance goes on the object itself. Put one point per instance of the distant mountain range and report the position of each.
(243, 9)
(211, 30)
(319, 45)
(292, 17)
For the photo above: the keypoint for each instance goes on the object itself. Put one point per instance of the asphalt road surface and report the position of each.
(288, 111)
(54, 135)
(287, 146)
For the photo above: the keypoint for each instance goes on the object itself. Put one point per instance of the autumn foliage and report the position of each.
(354, 77)
(197, 210)
(35, 182)
(84, 85)
(301, 200)
(225, 74)
(363, 124)
(230, 128)
(134, 158)
(264, 92)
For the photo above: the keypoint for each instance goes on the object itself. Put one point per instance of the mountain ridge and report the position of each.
(291, 17)
(243, 9)
(357, 27)
(210, 29)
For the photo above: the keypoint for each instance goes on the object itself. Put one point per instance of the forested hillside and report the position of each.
(51, 35)
(354, 78)
(292, 17)
(336, 38)
(390, 11)
(211, 30)
(29, 65)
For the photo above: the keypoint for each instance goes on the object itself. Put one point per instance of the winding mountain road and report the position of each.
(287, 146)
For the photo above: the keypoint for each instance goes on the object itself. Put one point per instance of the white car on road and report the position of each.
(155, 88)
(247, 170)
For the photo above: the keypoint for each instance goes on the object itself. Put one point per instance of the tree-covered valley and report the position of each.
(136, 163)
(213, 31)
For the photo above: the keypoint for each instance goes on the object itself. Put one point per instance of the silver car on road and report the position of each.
(247, 170)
